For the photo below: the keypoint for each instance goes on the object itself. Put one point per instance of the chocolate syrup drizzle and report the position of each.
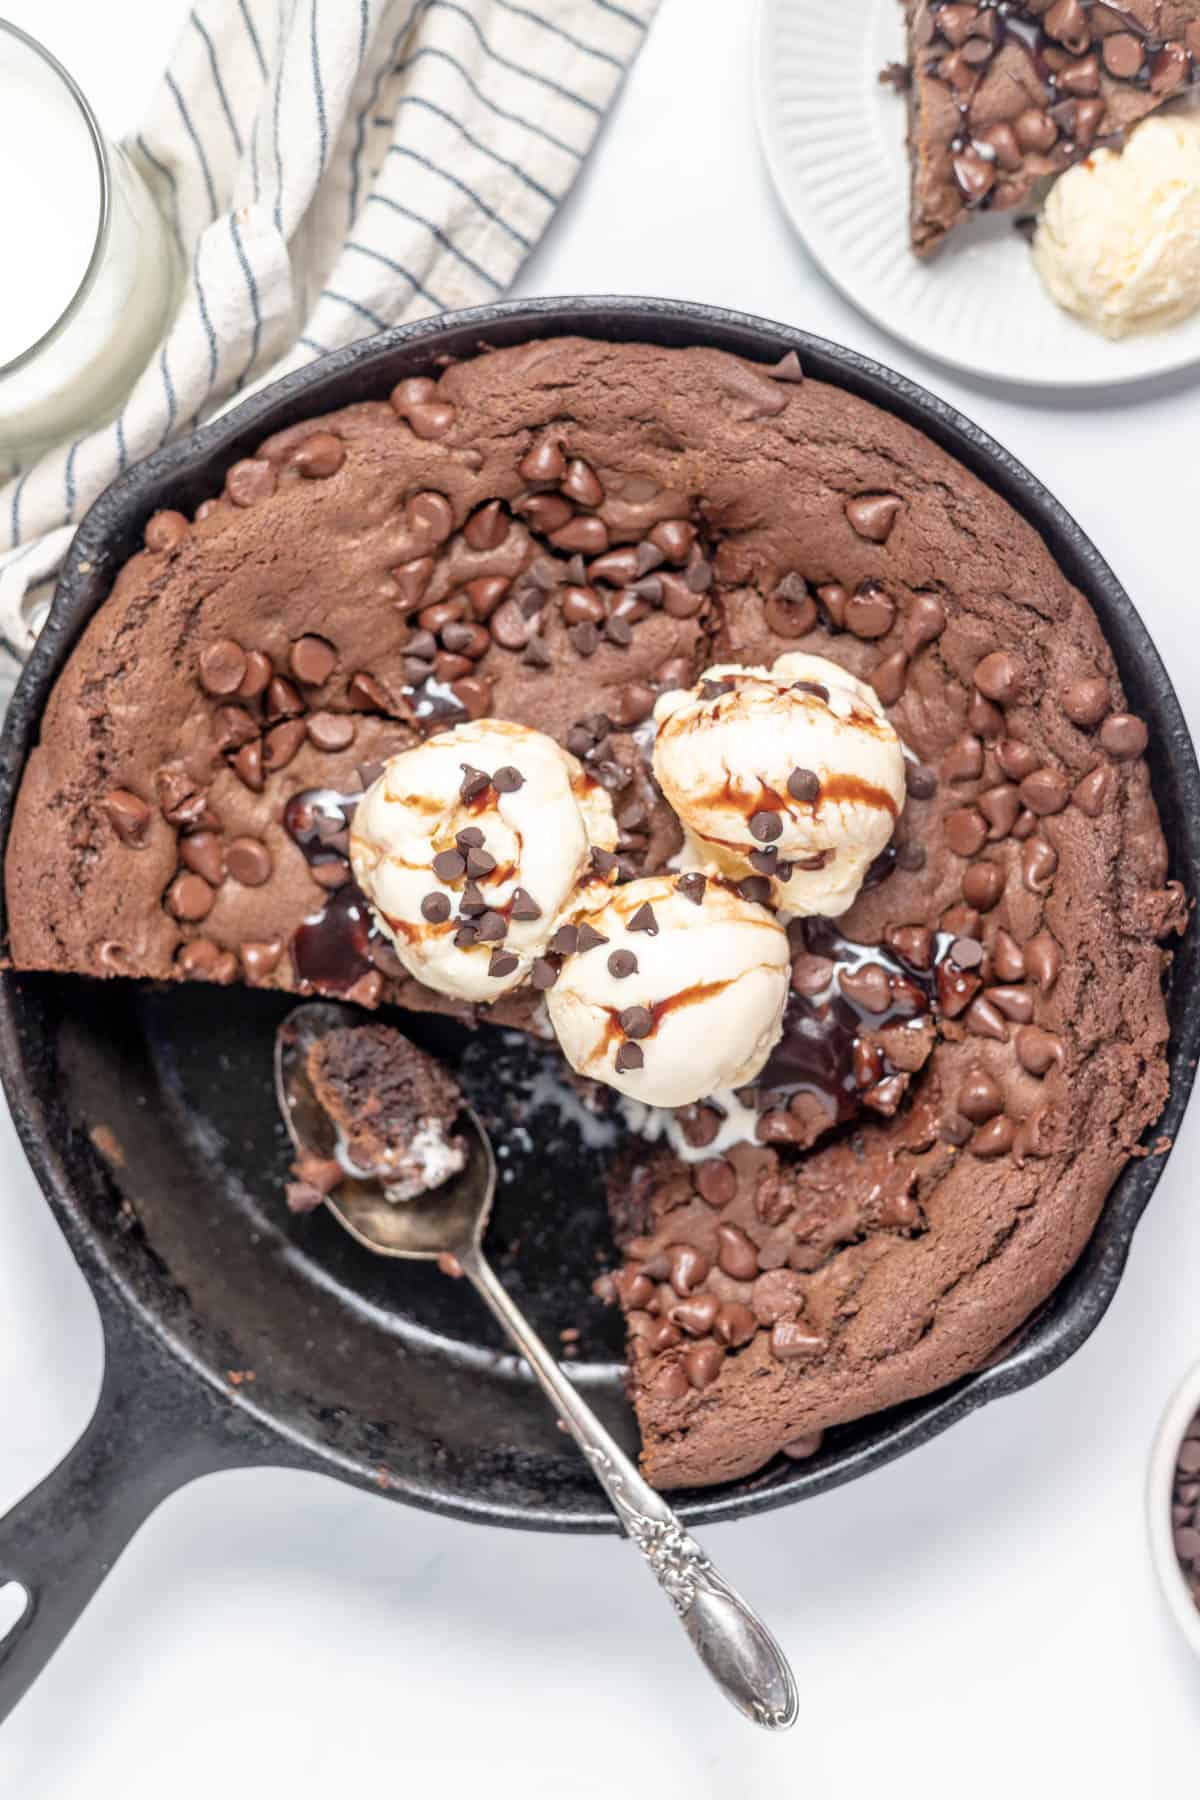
(335, 947)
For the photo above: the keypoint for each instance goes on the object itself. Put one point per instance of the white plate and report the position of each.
(834, 142)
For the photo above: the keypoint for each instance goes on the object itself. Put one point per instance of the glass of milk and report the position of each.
(90, 268)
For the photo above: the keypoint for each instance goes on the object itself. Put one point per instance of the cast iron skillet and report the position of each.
(235, 1335)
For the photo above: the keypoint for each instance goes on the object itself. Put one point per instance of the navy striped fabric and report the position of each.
(328, 168)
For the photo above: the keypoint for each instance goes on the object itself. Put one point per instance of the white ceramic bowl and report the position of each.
(1179, 1414)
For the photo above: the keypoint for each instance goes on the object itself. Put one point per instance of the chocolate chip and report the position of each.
(1000, 806)
(491, 927)
(257, 676)
(911, 857)
(537, 655)
(588, 938)
(966, 831)
(632, 703)
(692, 886)
(698, 576)
(983, 885)
(870, 613)
(644, 920)
(715, 1181)
(565, 941)
(765, 862)
(222, 666)
(582, 483)
(993, 1139)
(412, 578)
(202, 853)
(474, 695)
(128, 815)
(1123, 736)
(430, 516)
(966, 953)
(248, 765)
(1046, 791)
(449, 865)
(543, 974)
(765, 826)
(979, 1098)
(544, 462)
(250, 481)
(466, 936)
(312, 660)
(1037, 1050)
(524, 906)
(1039, 861)
(736, 1254)
(867, 987)
(165, 531)
(756, 889)
(502, 962)
(585, 638)
(1035, 130)
(629, 1056)
(190, 898)
(585, 533)
(964, 759)
(804, 785)
(621, 964)
(889, 677)
(998, 677)
(985, 1020)
(788, 368)
(920, 782)
(695, 1315)
(281, 744)
(319, 456)
(436, 908)
(331, 731)
(635, 1021)
(674, 537)
(474, 783)
(479, 863)
(985, 718)
(874, 515)
(926, 621)
(1086, 701)
(249, 861)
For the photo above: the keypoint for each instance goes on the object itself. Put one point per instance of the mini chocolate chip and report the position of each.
(756, 889)
(474, 695)
(507, 780)
(766, 862)
(788, 368)
(817, 689)
(449, 865)
(1092, 794)
(436, 908)
(491, 927)
(926, 621)
(603, 862)
(503, 962)
(479, 863)
(644, 920)
(629, 1056)
(248, 765)
(1046, 791)
(524, 906)
(585, 638)
(911, 857)
(544, 974)
(544, 462)
(565, 941)
(466, 935)
(920, 781)
(870, 612)
(588, 939)
(537, 655)
(966, 953)
(474, 782)
(766, 826)
(202, 852)
(281, 744)
(189, 897)
(804, 785)
(470, 838)
(993, 1139)
(621, 964)
(471, 904)
(692, 886)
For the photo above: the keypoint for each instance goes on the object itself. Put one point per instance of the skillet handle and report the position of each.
(153, 1431)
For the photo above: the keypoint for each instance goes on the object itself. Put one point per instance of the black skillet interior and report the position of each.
(389, 1375)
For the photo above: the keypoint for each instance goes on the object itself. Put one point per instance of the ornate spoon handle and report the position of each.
(733, 1644)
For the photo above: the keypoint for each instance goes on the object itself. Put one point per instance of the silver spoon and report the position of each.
(733, 1644)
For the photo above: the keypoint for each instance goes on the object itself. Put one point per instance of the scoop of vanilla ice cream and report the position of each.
(1118, 241)
(538, 815)
(684, 995)
(796, 766)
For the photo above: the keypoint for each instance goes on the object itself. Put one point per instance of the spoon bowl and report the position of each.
(444, 1222)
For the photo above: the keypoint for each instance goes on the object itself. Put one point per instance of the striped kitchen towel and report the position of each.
(329, 167)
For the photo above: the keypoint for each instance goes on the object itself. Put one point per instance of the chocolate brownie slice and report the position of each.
(1002, 95)
(394, 1107)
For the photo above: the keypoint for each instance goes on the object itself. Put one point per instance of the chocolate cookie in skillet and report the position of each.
(1002, 95)
(557, 535)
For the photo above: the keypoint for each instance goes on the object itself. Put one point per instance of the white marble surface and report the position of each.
(980, 1617)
